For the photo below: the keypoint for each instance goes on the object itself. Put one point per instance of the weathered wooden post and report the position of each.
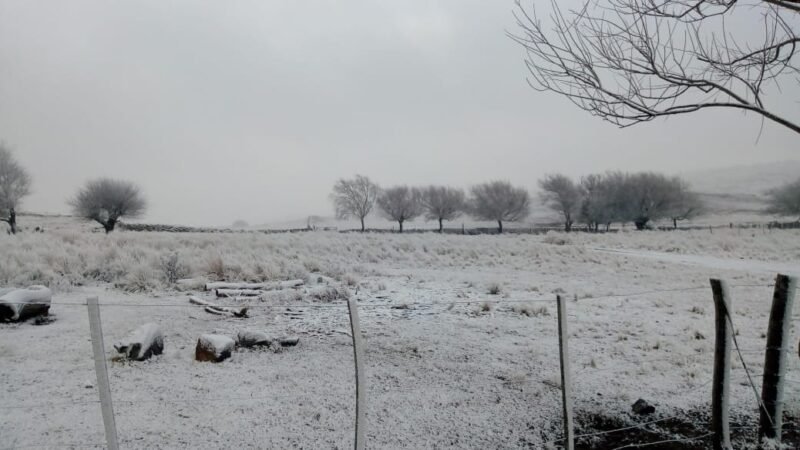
(566, 383)
(775, 357)
(720, 424)
(103, 386)
(361, 389)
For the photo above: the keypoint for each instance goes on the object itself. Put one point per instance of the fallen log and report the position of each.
(248, 338)
(238, 292)
(20, 304)
(267, 286)
(217, 309)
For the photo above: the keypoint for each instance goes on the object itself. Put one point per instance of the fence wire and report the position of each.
(394, 306)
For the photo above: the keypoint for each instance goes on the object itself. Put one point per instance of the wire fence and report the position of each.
(305, 308)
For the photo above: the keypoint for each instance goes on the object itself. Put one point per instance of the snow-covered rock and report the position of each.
(642, 407)
(214, 348)
(289, 341)
(142, 343)
(17, 305)
(248, 338)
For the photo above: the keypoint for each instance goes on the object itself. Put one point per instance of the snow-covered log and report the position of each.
(217, 309)
(190, 284)
(238, 292)
(267, 286)
(142, 343)
(248, 338)
(214, 348)
(20, 304)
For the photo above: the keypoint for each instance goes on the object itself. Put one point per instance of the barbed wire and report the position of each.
(59, 445)
(666, 441)
(393, 305)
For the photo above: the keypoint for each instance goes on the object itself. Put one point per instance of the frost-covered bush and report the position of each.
(173, 269)
(148, 261)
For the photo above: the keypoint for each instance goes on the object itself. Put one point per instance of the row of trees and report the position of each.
(603, 199)
(597, 199)
(497, 201)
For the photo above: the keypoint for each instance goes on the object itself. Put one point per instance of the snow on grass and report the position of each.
(442, 369)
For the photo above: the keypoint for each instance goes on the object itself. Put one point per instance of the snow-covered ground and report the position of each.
(449, 365)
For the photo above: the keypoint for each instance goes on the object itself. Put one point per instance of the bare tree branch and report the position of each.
(631, 61)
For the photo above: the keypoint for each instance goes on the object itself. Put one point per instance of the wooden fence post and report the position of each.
(103, 386)
(775, 356)
(566, 384)
(720, 424)
(361, 389)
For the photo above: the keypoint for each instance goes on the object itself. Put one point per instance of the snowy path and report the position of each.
(711, 262)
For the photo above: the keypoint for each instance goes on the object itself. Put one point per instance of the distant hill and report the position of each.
(740, 189)
(753, 179)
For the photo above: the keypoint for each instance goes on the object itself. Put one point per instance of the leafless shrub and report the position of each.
(173, 268)
(530, 310)
(493, 289)
(106, 201)
(15, 183)
(215, 267)
(329, 293)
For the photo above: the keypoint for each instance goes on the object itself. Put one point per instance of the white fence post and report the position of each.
(103, 386)
(361, 389)
(566, 386)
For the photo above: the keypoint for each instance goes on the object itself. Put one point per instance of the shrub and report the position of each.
(173, 269)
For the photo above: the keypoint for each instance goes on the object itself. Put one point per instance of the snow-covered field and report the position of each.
(449, 365)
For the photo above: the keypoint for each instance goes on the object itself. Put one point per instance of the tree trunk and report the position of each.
(109, 225)
(362, 224)
(12, 220)
(441, 226)
(401, 225)
(499, 227)
(641, 222)
(674, 223)
(568, 226)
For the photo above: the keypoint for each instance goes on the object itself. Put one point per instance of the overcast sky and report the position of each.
(252, 109)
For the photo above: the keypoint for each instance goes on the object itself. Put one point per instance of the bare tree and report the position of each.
(401, 204)
(631, 61)
(15, 183)
(685, 203)
(562, 195)
(605, 199)
(106, 201)
(499, 201)
(785, 200)
(442, 203)
(354, 198)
